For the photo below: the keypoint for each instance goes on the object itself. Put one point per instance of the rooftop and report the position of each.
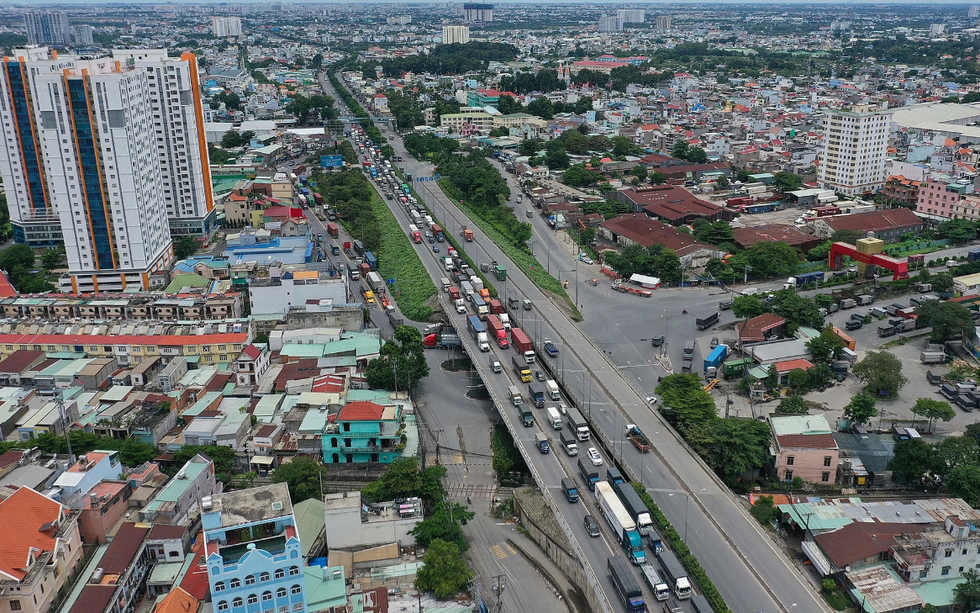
(249, 506)
(30, 521)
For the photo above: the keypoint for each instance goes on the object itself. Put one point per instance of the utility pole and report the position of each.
(60, 403)
(498, 589)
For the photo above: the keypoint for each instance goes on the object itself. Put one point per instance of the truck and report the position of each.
(495, 365)
(884, 331)
(636, 436)
(848, 303)
(527, 418)
(454, 293)
(554, 418)
(809, 277)
(413, 230)
(376, 282)
(568, 442)
(864, 299)
(523, 345)
(514, 395)
(706, 322)
(541, 441)
(589, 472)
(973, 255)
(500, 272)
(627, 588)
(475, 326)
(714, 360)
(656, 543)
(483, 342)
(675, 574)
(657, 585)
(614, 477)
(700, 604)
(577, 424)
(439, 340)
(570, 489)
(496, 308)
(725, 305)
(552, 387)
(736, 368)
(619, 286)
(467, 235)
(480, 306)
(933, 356)
(504, 318)
(497, 332)
(437, 232)
(333, 230)
(620, 521)
(460, 305)
(688, 356)
(536, 392)
(635, 507)
(371, 260)
(521, 369)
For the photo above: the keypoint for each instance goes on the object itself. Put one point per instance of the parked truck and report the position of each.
(571, 490)
(554, 418)
(523, 345)
(542, 442)
(497, 332)
(552, 387)
(521, 369)
(578, 424)
(635, 507)
(736, 368)
(568, 441)
(688, 356)
(636, 436)
(714, 360)
(973, 255)
(627, 588)
(589, 472)
(864, 299)
(620, 521)
(659, 587)
(675, 574)
(848, 303)
(707, 322)
(931, 355)
(536, 391)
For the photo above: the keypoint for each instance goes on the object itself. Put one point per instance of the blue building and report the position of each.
(364, 432)
(253, 553)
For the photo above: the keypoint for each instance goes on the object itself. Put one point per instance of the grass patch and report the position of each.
(524, 260)
(837, 600)
(397, 260)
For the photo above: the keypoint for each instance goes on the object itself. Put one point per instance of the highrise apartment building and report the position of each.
(47, 28)
(478, 12)
(663, 22)
(610, 23)
(103, 155)
(83, 35)
(855, 143)
(455, 34)
(632, 15)
(974, 11)
(226, 26)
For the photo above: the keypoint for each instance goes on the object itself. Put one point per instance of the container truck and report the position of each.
(496, 308)
(467, 235)
(497, 332)
(736, 368)
(480, 306)
(475, 326)
(536, 391)
(636, 436)
(371, 260)
(553, 392)
(675, 574)
(657, 585)
(635, 507)
(715, 358)
(437, 232)
(333, 230)
(571, 490)
(416, 235)
(578, 424)
(620, 521)
(523, 344)
(521, 369)
(441, 341)
(515, 395)
(933, 357)
(700, 604)
(568, 442)
(707, 322)
(500, 272)
(542, 442)
(376, 282)
(627, 588)
(589, 472)
(554, 418)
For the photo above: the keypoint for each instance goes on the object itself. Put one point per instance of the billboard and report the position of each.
(331, 161)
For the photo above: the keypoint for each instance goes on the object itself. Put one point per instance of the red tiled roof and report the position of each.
(6, 289)
(754, 329)
(167, 531)
(12, 457)
(328, 383)
(196, 579)
(163, 340)
(123, 548)
(27, 518)
(874, 221)
(670, 202)
(251, 352)
(20, 360)
(789, 365)
(177, 601)
(746, 237)
(859, 540)
(360, 411)
(642, 230)
(93, 598)
(807, 441)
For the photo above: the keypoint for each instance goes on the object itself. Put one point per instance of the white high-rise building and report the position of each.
(974, 11)
(47, 28)
(663, 22)
(632, 15)
(83, 35)
(104, 155)
(855, 144)
(455, 34)
(610, 23)
(226, 26)
(937, 29)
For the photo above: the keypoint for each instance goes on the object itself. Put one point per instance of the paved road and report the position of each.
(731, 546)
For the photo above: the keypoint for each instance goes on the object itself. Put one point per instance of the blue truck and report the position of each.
(371, 260)
(627, 588)
(714, 360)
(475, 326)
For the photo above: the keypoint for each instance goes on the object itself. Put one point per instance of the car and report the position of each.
(714, 342)
(335, 250)
(550, 348)
(594, 456)
(652, 400)
(529, 214)
(539, 375)
(435, 248)
(431, 239)
(563, 409)
(591, 526)
(527, 305)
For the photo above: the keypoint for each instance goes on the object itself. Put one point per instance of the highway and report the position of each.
(733, 549)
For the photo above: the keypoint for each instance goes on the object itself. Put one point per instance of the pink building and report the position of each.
(804, 447)
(948, 200)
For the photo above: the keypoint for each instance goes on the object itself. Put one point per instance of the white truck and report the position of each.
(505, 321)
(554, 418)
(460, 305)
(621, 523)
(660, 589)
(482, 342)
(551, 387)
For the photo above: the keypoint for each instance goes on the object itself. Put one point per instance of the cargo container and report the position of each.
(635, 507)
(495, 307)
(523, 344)
(552, 388)
(716, 357)
(333, 230)
(623, 526)
(497, 332)
(627, 588)
(453, 293)
(371, 260)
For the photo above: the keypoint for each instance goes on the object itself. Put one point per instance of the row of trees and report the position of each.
(954, 461)
(18, 262)
(477, 181)
(797, 310)
(474, 56)
(424, 145)
(317, 107)
(656, 261)
(350, 194)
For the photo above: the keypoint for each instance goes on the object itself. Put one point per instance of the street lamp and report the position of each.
(687, 505)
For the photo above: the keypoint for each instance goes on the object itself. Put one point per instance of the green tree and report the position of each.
(444, 571)
(718, 233)
(530, 146)
(133, 452)
(53, 258)
(304, 476)
(912, 459)
(819, 253)
(932, 410)
(942, 282)
(947, 319)
(861, 409)
(579, 176)
(443, 522)
(966, 593)
(953, 452)
(774, 259)
(764, 510)
(403, 479)
(880, 371)
(233, 138)
(799, 380)
(825, 347)
(17, 257)
(401, 364)
(556, 158)
(723, 182)
(964, 482)
(639, 172)
(223, 458)
(658, 178)
(691, 404)
(697, 155)
(508, 105)
(793, 405)
(575, 142)
(958, 231)
(680, 149)
(185, 247)
(218, 156)
(787, 181)
(731, 447)
(542, 107)
(746, 307)
(622, 146)
(798, 310)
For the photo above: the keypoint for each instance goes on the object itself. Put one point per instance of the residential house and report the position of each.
(252, 364)
(364, 432)
(900, 191)
(81, 477)
(179, 501)
(117, 585)
(103, 506)
(803, 446)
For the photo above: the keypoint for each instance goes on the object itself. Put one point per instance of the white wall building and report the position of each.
(855, 143)
(226, 26)
(47, 28)
(610, 23)
(455, 34)
(632, 15)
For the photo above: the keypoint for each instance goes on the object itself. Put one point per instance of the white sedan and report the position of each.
(594, 457)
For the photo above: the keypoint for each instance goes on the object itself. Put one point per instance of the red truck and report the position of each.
(497, 331)
(454, 293)
(495, 307)
(333, 230)
(520, 340)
